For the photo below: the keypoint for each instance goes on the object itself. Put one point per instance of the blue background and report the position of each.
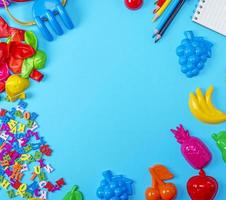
(111, 95)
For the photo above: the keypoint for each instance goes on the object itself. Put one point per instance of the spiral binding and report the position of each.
(199, 7)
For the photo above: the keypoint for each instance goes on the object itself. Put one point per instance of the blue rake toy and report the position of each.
(44, 11)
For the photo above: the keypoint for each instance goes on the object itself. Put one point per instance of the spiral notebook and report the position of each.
(211, 14)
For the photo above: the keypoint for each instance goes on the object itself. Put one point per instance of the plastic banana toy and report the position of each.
(202, 108)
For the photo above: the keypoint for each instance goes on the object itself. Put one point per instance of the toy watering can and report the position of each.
(45, 11)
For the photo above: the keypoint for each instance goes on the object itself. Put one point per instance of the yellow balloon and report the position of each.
(15, 87)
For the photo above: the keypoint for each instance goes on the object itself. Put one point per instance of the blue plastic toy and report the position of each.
(114, 187)
(45, 10)
(193, 52)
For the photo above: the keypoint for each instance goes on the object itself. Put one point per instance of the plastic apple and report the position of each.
(202, 187)
(133, 4)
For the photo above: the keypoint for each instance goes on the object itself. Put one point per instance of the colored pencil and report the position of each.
(161, 10)
(166, 16)
(159, 4)
(169, 21)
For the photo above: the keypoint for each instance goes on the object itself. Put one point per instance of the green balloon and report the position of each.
(220, 139)
(31, 39)
(27, 67)
(39, 60)
(74, 194)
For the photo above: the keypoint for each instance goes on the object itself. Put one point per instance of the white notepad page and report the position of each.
(212, 14)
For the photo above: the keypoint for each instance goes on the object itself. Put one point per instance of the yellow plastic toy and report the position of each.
(203, 109)
(15, 87)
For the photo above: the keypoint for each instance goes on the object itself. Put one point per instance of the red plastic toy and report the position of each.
(202, 187)
(133, 4)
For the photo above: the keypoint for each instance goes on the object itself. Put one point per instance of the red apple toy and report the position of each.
(133, 4)
(202, 187)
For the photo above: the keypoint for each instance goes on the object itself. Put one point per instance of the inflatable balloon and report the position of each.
(15, 87)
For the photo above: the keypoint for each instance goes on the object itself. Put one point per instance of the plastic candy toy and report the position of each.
(133, 4)
(193, 53)
(161, 190)
(220, 139)
(19, 55)
(114, 187)
(202, 108)
(24, 166)
(15, 87)
(193, 149)
(45, 10)
(202, 187)
(74, 194)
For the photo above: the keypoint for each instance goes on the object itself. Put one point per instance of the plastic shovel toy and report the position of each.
(45, 10)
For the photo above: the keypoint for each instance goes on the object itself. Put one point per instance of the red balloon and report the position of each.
(133, 4)
(202, 187)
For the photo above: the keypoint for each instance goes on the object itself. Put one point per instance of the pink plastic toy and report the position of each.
(193, 149)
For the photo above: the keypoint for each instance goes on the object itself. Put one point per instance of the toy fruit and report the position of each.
(114, 187)
(220, 139)
(193, 149)
(133, 4)
(202, 108)
(160, 190)
(202, 187)
(193, 52)
(74, 194)
(15, 87)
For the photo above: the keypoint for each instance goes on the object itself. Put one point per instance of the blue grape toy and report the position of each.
(193, 53)
(114, 187)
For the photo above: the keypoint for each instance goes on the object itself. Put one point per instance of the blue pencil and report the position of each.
(166, 16)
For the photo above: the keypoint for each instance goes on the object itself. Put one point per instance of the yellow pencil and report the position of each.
(161, 10)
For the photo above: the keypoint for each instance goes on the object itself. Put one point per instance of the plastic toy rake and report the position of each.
(45, 11)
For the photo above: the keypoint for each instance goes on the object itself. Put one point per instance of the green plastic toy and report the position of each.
(74, 194)
(220, 139)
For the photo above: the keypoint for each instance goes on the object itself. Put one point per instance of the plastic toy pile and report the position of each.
(20, 60)
(22, 156)
(114, 187)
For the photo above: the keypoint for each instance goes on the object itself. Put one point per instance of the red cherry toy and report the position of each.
(133, 4)
(202, 187)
